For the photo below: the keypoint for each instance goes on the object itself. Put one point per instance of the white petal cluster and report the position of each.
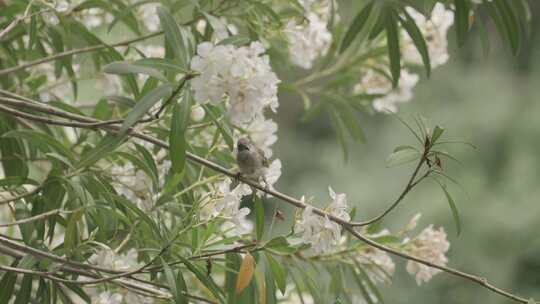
(308, 40)
(243, 74)
(377, 263)
(107, 297)
(273, 173)
(319, 231)
(430, 245)
(149, 17)
(222, 28)
(94, 17)
(109, 259)
(434, 31)
(225, 203)
(322, 8)
(374, 82)
(262, 133)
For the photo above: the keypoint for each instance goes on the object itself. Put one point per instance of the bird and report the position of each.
(251, 160)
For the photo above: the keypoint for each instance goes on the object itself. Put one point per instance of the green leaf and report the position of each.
(392, 39)
(207, 281)
(177, 286)
(462, 20)
(8, 284)
(160, 64)
(418, 40)
(41, 141)
(236, 40)
(259, 216)
(350, 120)
(173, 36)
(357, 25)
(453, 207)
(101, 150)
(179, 124)
(144, 104)
(511, 22)
(278, 272)
(124, 67)
(340, 132)
(401, 157)
(72, 232)
(223, 128)
(25, 291)
(437, 132)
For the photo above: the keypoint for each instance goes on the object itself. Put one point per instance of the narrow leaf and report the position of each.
(245, 274)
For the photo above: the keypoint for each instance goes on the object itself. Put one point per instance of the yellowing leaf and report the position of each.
(245, 274)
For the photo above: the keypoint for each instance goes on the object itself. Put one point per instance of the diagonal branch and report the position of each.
(284, 197)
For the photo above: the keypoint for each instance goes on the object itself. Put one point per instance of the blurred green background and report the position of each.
(491, 102)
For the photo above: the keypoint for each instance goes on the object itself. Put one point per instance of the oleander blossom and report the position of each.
(107, 297)
(378, 264)
(307, 40)
(225, 203)
(435, 31)
(430, 245)
(262, 133)
(242, 74)
(107, 258)
(319, 231)
(374, 82)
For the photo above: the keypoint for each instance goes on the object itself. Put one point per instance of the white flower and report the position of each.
(263, 134)
(434, 31)
(50, 18)
(156, 51)
(272, 174)
(109, 259)
(225, 203)
(242, 74)
(322, 8)
(377, 263)
(412, 223)
(430, 245)
(133, 298)
(222, 29)
(197, 113)
(308, 40)
(62, 6)
(107, 297)
(338, 207)
(376, 83)
(319, 231)
(149, 16)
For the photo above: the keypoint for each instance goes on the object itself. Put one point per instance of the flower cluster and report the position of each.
(430, 245)
(374, 82)
(322, 233)
(378, 264)
(225, 203)
(434, 31)
(109, 259)
(309, 38)
(243, 74)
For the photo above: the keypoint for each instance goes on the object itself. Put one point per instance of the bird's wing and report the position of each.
(265, 161)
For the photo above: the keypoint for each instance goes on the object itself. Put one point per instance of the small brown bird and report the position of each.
(251, 161)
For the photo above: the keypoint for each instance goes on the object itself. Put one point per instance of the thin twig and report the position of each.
(36, 217)
(410, 185)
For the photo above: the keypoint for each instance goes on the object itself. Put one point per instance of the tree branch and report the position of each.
(284, 197)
